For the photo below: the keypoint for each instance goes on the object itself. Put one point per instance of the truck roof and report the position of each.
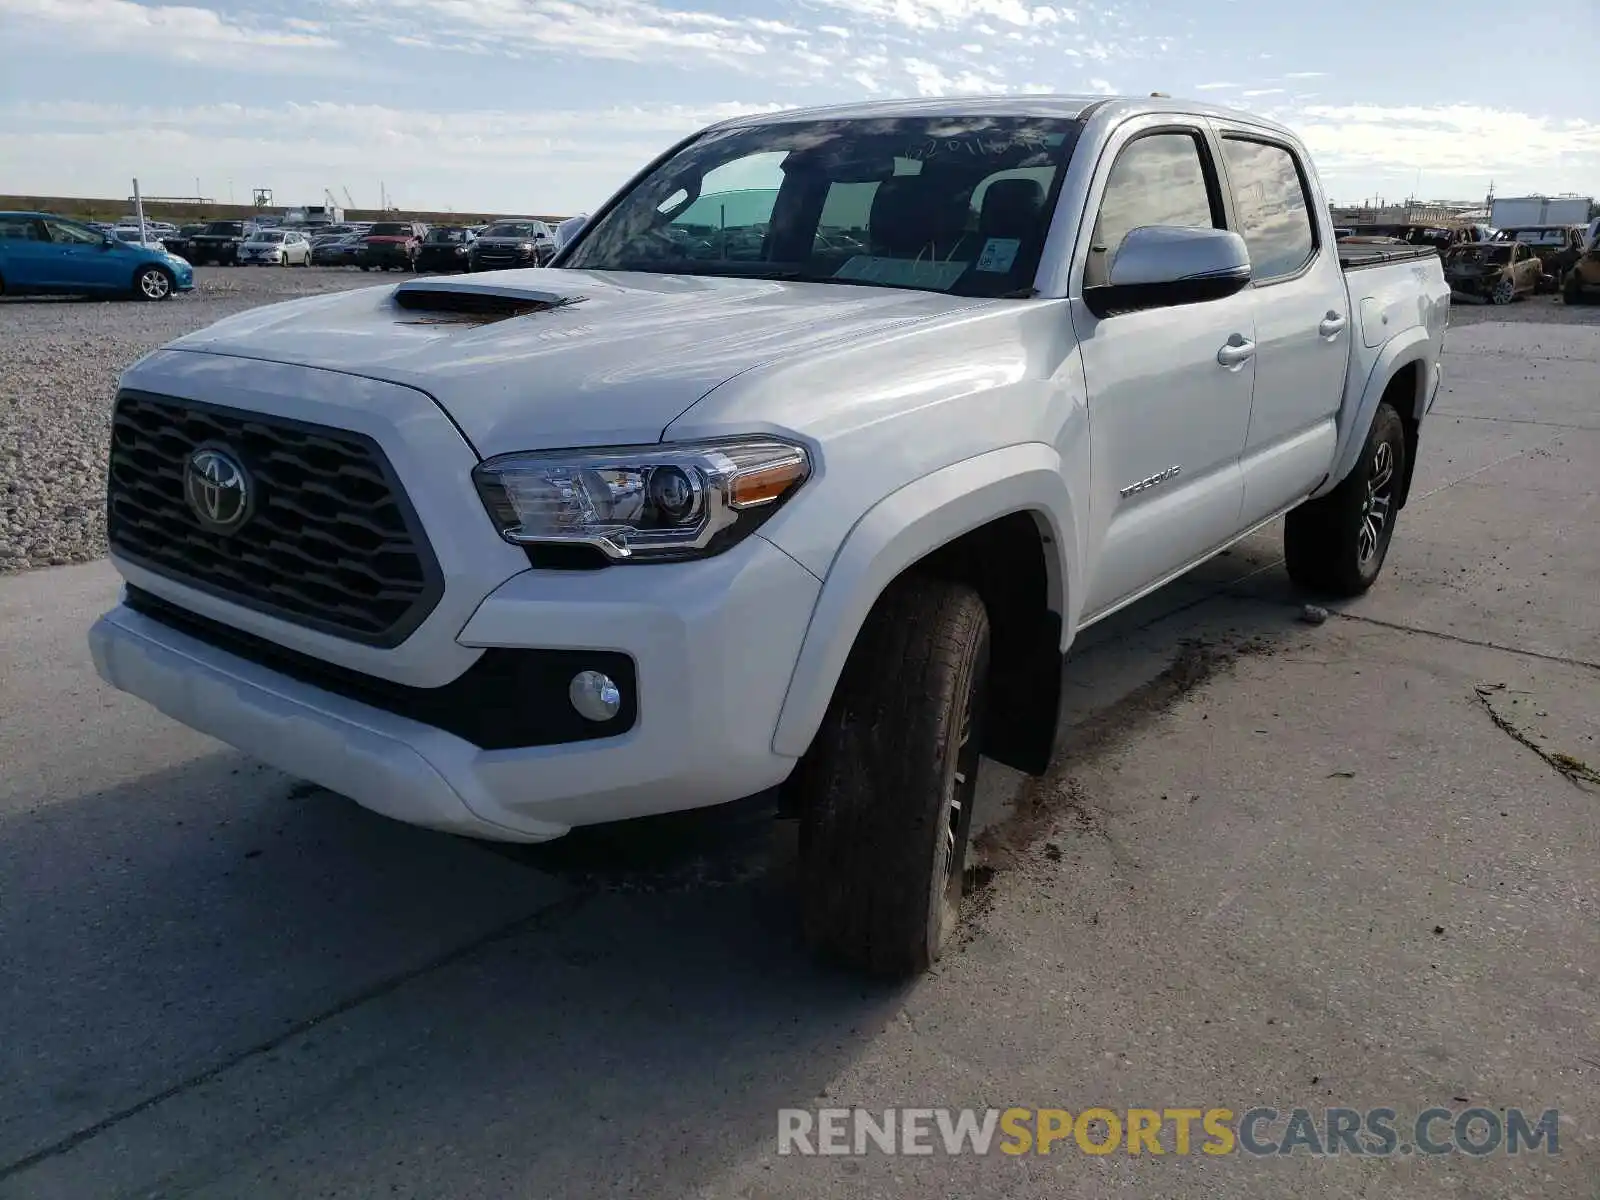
(1063, 107)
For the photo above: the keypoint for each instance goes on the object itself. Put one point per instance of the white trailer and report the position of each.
(1510, 212)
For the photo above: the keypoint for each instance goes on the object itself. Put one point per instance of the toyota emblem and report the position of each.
(217, 488)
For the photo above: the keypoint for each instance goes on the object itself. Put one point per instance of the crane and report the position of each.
(348, 196)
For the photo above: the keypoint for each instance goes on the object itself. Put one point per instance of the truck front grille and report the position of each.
(330, 543)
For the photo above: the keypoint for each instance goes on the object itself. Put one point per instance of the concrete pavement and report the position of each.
(216, 982)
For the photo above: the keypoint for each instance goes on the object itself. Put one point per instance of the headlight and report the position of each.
(526, 247)
(642, 503)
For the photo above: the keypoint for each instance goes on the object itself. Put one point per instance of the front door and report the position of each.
(1169, 388)
(83, 260)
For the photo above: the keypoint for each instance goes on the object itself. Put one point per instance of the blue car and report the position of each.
(43, 254)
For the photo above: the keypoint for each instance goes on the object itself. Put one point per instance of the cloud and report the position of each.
(930, 80)
(953, 14)
(1304, 74)
(1104, 87)
(489, 159)
(1458, 148)
(624, 30)
(167, 31)
(1263, 92)
(1213, 87)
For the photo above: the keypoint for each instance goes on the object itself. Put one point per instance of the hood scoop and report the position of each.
(443, 303)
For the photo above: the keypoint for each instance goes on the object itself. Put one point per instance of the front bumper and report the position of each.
(713, 642)
(377, 256)
(439, 260)
(504, 260)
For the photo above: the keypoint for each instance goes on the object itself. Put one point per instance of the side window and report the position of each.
(1269, 200)
(66, 231)
(1160, 179)
(19, 229)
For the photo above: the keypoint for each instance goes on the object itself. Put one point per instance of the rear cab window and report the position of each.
(1271, 204)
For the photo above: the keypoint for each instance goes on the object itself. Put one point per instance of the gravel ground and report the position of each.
(61, 360)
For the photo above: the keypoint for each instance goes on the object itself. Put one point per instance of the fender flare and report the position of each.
(1400, 351)
(899, 531)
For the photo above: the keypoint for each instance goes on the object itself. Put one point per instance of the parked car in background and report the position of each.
(834, 540)
(340, 251)
(132, 235)
(43, 253)
(567, 230)
(218, 243)
(275, 248)
(1497, 272)
(177, 242)
(1558, 247)
(445, 248)
(513, 242)
(392, 244)
(1582, 281)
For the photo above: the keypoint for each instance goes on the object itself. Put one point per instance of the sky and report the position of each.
(548, 106)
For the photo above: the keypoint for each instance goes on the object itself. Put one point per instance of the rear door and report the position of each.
(27, 259)
(1169, 388)
(1302, 318)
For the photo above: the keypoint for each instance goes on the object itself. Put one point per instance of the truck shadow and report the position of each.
(300, 996)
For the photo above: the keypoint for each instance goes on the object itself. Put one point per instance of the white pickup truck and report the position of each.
(803, 465)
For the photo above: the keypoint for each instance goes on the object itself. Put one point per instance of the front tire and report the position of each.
(1336, 544)
(1504, 292)
(886, 794)
(152, 283)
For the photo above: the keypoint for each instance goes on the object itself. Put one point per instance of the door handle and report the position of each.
(1237, 352)
(1331, 325)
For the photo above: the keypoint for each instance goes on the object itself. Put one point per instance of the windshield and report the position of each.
(948, 204)
(513, 229)
(266, 236)
(389, 229)
(225, 228)
(439, 236)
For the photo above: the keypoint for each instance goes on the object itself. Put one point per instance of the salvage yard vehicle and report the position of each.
(275, 248)
(41, 253)
(1493, 271)
(445, 248)
(512, 242)
(338, 250)
(1582, 283)
(507, 555)
(1557, 247)
(391, 244)
(218, 243)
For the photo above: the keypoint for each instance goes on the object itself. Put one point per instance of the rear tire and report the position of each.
(886, 791)
(1336, 544)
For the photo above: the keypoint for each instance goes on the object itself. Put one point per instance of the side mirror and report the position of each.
(107, 240)
(1162, 266)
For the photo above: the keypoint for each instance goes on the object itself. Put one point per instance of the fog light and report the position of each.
(594, 695)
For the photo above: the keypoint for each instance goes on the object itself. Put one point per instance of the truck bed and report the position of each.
(1355, 257)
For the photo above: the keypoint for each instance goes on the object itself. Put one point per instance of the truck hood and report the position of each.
(556, 358)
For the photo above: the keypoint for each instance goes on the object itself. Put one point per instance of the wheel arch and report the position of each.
(1401, 376)
(1002, 521)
